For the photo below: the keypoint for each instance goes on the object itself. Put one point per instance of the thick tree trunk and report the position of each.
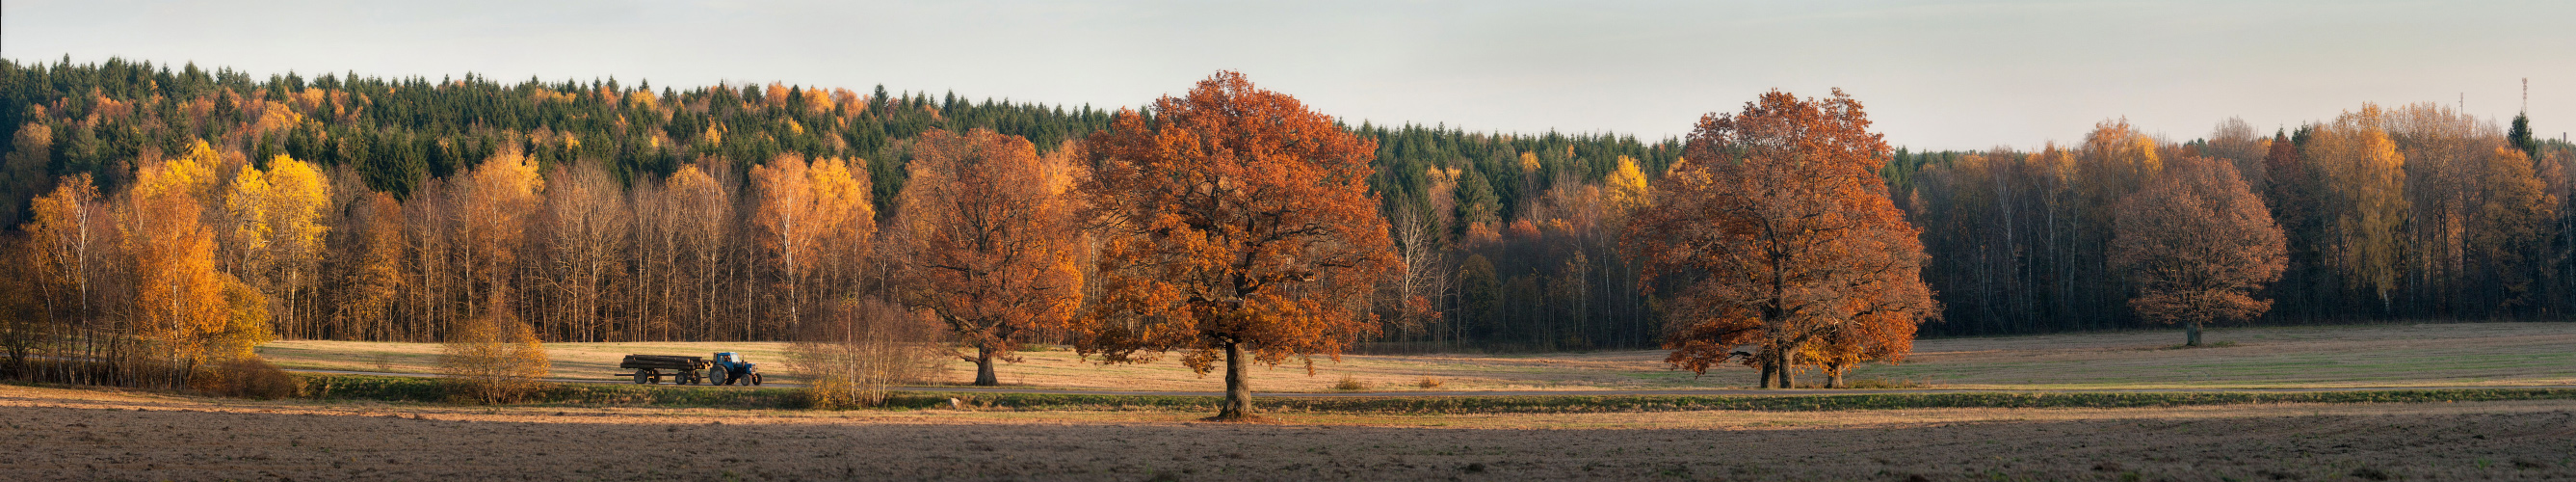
(1769, 367)
(2192, 335)
(1788, 368)
(1238, 385)
(984, 368)
(1833, 377)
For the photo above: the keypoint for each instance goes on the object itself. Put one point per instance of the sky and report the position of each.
(1931, 74)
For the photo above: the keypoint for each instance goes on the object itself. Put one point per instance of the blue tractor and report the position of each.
(730, 368)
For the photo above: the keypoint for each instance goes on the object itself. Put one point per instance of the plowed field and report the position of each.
(61, 434)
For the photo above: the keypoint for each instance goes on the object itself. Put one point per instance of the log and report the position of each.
(664, 362)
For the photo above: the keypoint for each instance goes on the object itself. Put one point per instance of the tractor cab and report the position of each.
(730, 368)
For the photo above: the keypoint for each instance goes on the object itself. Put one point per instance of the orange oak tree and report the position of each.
(1787, 238)
(993, 241)
(2199, 245)
(1236, 224)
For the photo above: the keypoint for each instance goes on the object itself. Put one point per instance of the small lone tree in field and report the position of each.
(493, 358)
(1235, 225)
(2199, 245)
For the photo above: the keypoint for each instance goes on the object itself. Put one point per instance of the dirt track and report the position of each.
(83, 435)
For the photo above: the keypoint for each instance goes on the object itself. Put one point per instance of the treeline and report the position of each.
(604, 211)
(2416, 211)
(386, 209)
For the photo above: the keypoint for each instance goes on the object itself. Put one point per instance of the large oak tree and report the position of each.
(1236, 224)
(993, 245)
(2199, 245)
(1782, 235)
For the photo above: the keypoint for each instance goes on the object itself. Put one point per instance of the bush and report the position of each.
(858, 347)
(1349, 383)
(252, 377)
(1429, 383)
(493, 359)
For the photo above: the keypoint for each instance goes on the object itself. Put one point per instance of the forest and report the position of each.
(217, 206)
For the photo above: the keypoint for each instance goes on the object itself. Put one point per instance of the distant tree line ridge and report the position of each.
(2407, 212)
(351, 207)
(606, 211)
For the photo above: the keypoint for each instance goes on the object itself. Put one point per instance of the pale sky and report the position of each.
(1934, 75)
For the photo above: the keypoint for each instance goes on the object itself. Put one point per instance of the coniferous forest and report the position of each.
(221, 206)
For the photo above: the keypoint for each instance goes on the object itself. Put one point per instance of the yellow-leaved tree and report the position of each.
(1625, 190)
(818, 221)
(184, 306)
(275, 229)
(2363, 202)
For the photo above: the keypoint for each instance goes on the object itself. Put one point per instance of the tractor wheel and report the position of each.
(715, 377)
(755, 379)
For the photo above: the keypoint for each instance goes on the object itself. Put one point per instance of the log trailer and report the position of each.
(725, 369)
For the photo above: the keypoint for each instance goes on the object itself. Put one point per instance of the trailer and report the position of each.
(649, 369)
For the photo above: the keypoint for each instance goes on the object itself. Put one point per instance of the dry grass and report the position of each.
(2462, 354)
(2400, 355)
(570, 360)
(88, 435)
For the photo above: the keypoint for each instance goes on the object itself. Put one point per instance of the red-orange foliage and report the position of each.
(1781, 221)
(2198, 244)
(1236, 224)
(992, 250)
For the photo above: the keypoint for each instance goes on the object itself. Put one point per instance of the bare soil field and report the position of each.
(63, 434)
(2394, 355)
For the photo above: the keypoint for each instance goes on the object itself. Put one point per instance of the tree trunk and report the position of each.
(1768, 368)
(2192, 335)
(1834, 376)
(984, 368)
(1238, 385)
(1788, 368)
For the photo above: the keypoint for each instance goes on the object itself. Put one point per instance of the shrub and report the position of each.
(1429, 383)
(1350, 383)
(858, 347)
(493, 359)
(252, 377)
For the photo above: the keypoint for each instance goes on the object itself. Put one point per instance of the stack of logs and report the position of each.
(664, 362)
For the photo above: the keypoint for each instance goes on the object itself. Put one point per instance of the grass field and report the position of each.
(2392, 355)
(368, 427)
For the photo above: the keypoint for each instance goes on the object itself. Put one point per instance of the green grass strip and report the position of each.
(1665, 403)
(434, 390)
(430, 390)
